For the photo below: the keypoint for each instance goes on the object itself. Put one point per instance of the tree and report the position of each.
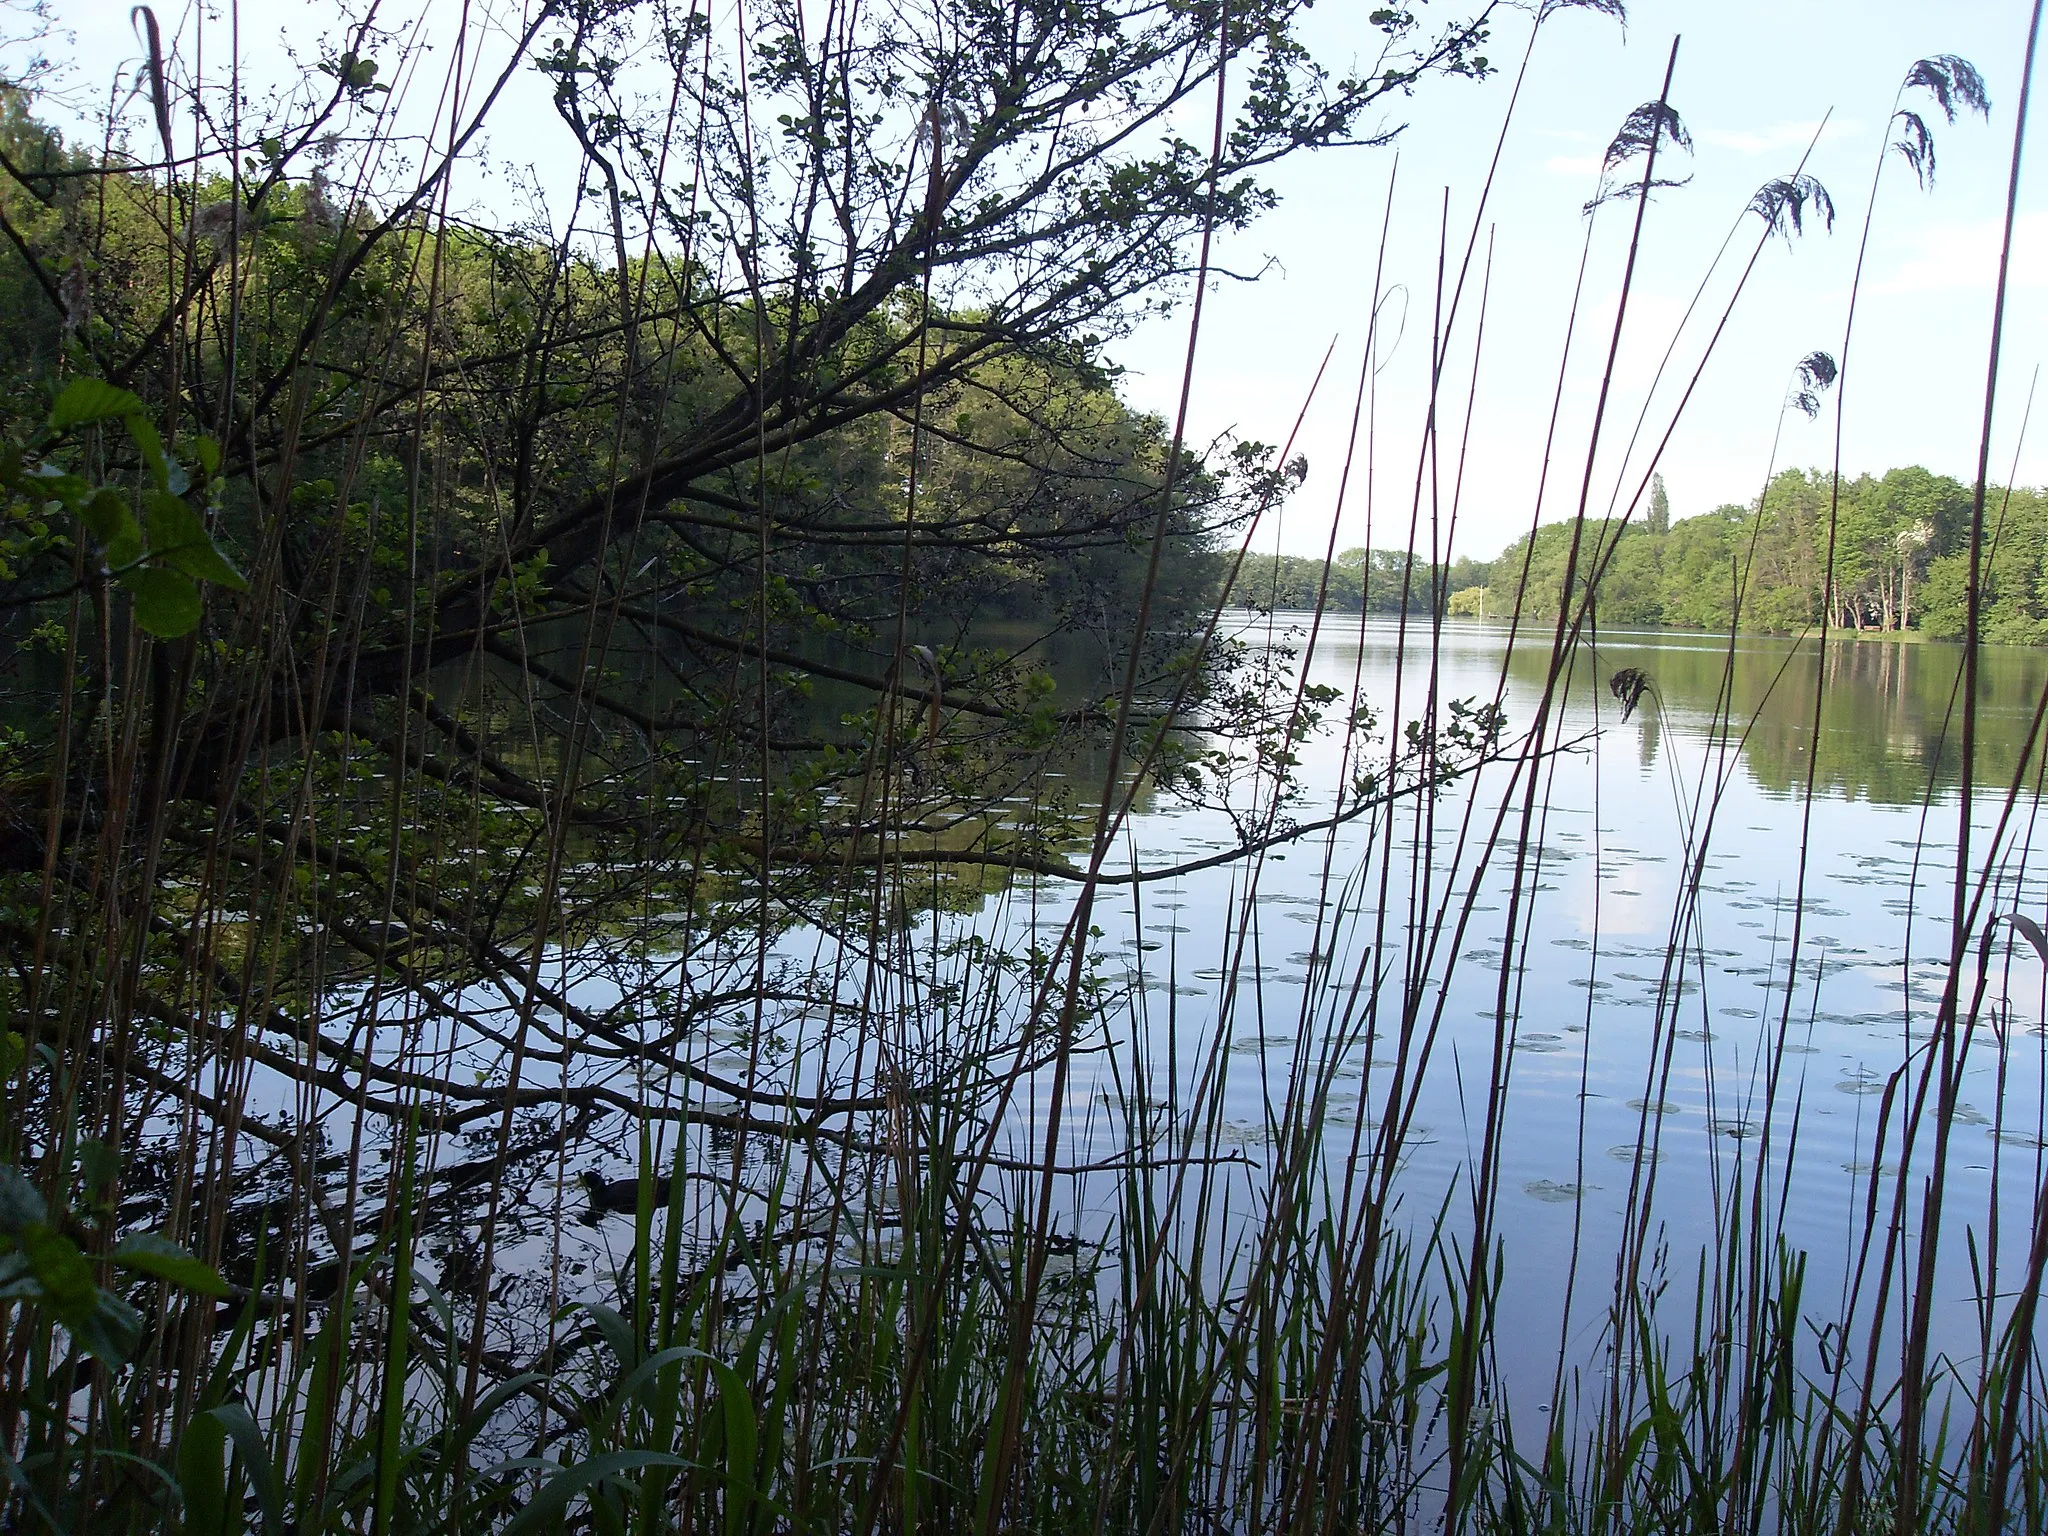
(2013, 604)
(1700, 566)
(1768, 567)
(611, 583)
(1659, 518)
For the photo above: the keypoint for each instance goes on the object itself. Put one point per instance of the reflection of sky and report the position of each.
(1589, 1045)
(1250, 974)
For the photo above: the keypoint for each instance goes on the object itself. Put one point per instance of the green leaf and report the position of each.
(108, 519)
(165, 473)
(84, 400)
(207, 452)
(648, 1369)
(46, 483)
(179, 539)
(256, 1463)
(551, 1501)
(126, 549)
(27, 1490)
(21, 1203)
(2031, 932)
(147, 1253)
(112, 1330)
(98, 1164)
(617, 1332)
(166, 602)
(742, 1438)
(202, 1475)
(62, 1273)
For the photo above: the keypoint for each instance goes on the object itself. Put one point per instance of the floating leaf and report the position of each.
(1553, 1192)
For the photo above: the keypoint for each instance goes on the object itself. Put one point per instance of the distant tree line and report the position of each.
(1901, 561)
(1358, 581)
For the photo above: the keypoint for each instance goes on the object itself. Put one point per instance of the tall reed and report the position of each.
(552, 988)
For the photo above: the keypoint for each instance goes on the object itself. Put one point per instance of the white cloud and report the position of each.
(1946, 257)
(1762, 141)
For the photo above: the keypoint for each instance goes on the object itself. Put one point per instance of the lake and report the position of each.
(1662, 1067)
(1621, 816)
(1634, 1093)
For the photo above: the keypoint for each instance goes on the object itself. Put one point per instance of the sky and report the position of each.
(1755, 82)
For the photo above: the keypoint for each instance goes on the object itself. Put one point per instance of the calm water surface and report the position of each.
(1244, 973)
(1620, 816)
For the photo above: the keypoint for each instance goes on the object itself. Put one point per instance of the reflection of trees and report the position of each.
(1883, 708)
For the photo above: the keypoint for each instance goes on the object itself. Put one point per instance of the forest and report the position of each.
(1357, 581)
(1887, 553)
(448, 654)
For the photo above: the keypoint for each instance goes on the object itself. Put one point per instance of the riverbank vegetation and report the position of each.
(1900, 561)
(566, 775)
(1357, 581)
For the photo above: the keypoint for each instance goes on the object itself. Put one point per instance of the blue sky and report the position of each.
(1754, 81)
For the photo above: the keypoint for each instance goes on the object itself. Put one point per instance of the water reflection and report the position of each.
(1626, 995)
(1889, 711)
(1643, 1032)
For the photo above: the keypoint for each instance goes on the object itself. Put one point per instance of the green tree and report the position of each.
(2014, 596)
(1768, 567)
(613, 600)
(1701, 566)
